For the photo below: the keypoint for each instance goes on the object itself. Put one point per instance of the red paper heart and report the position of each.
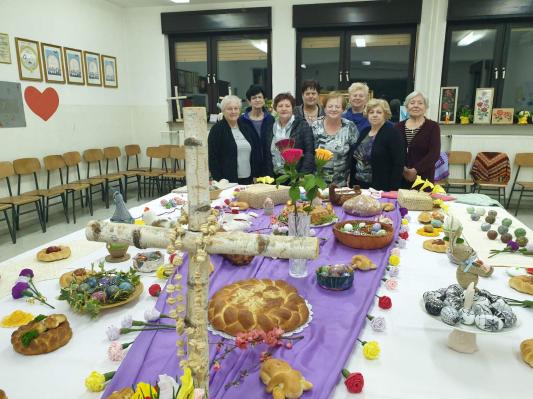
(42, 104)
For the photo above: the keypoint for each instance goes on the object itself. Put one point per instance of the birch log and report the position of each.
(235, 243)
(197, 166)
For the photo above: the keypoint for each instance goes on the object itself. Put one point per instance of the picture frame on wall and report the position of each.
(91, 61)
(109, 71)
(28, 59)
(502, 116)
(53, 63)
(5, 51)
(448, 104)
(74, 66)
(483, 105)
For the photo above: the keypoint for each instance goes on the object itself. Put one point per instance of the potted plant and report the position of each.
(523, 117)
(466, 113)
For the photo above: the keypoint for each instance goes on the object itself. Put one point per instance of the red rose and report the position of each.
(404, 235)
(530, 270)
(385, 302)
(292, 155)
(285, 144)
(354, 381)
(154, 290)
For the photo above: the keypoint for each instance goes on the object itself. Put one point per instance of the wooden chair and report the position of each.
(133, 150)
(30, 166)
(522, 159)
(113, 154)
(96, 155)
(72, 160)
(153, 174)
(460, 158)
(491, 171)
(53, 163)
(15, 202)
(177, 155)
(4, 208)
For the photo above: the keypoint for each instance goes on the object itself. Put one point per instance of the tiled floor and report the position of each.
(30, 235)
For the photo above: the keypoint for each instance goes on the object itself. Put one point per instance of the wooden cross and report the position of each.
(177, 98)
(197, 174)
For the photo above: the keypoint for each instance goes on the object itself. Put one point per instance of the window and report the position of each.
(495, 55)
(382, 58)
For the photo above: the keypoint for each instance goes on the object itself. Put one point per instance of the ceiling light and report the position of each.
(366, 62)
(360, 42)
(470, 38)
(261, 45)
(303, 66)
(180, 1)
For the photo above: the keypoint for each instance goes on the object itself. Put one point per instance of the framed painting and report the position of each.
(448, 104)
(53, 64)
(28, 59)
(483, 105)
(109, 71)
(5, 51)
(74, 66)
(502, 116)
(92, 68)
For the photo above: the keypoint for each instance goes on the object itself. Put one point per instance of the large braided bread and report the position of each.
(257, 304)
(54, 332)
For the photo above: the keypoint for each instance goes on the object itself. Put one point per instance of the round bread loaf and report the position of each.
(62, 253)
(54, 332)
(257, 304)
(526, 349)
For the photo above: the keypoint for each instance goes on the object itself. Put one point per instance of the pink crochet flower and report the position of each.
(115, 353)
(391, 284)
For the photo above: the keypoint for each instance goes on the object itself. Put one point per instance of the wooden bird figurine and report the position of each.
(282, 381)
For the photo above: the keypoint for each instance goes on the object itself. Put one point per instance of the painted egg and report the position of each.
(92, 282)
(482, 301)
(489, 323)
(467, 316)
(480, 211)
(454, 290)
(455, 302)
(503, 229)
(362, 224)
(481, 309)
(475, 217)
(507, 222)
(434, 306)
(381, 233)
(520, 232)
(450, 315)
(490, 219)
(111, 290)
(522, 241)
(491, 297)
(436, 223)
(83, 287)
(126, 286)
(506, 237)
(492, 234)
(404, 228)
(501, 306)
(493, 213)
(347, 227)
(485, 226)
(99, 296)
(508, 318)
(470, 210)
(376, 227)
(431, 295)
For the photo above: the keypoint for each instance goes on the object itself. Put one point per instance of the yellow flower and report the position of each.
(139, 222)
(371, 350)
(95, 382)
(143, 390)
(323, 154)
(405, 221)
(16, 319)
(187, 387)
(427, 184)
(265, 180)
(417, 181)
(160, 272)
(394, 260)
(438, 189)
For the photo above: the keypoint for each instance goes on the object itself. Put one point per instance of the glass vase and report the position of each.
(299, 226)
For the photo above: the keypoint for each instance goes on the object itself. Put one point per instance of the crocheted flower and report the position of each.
(16, 319)
(354, 382)
(404, 235)
(395, 251)
(112, 333)
(292, 155)
(371, 350)
(384, 302)
(95, 382)
(391, 283)
(160, 272)
(513, 246)
(401, 243)
(26, 273)
(393, 271)
(403, 211)
(115, 353)
(152, 315)
(21, 289)
(377, 323)
(126, 322)
(394, 260)
(154, 290)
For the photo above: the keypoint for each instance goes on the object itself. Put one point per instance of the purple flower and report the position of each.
(112, 333)
(378, 324)
(21, 289)
(403, 212)
(26, 273)
(513, 246)
(152, 315)
(127, 322)
(393, 271)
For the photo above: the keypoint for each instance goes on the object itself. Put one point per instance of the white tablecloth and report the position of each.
(414, 363)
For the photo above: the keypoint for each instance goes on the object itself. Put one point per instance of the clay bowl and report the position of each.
(117, 250)
(362, 242)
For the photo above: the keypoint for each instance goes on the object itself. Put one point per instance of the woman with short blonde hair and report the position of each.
(378, 158)
(358, 97)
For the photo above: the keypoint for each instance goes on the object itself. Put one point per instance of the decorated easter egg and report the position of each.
(503, 229)
(522, 241)
(520, 232)
(479, 309)
(470, 210)
(501, 306)
(126, 286)
(381, 232)
(475, 217)
(455, 302)
(506, 237)
(485, 226)
(490, 219)
(467, 316)
(434, 306)
(480, 211)
(508, 318)
(347, 227)
(492, 234)
(376, 227)
(450, 315)
(436, 223)
(481, 300)
(493, 213)
(488, 322)
(431, 295)
(454, 290)
(491, 297)
(507, 222)
(111, 290)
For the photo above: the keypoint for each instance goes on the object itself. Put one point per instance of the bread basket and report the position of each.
(415, 200)
(363, 241)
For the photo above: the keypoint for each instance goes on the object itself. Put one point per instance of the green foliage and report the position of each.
(40, 317)
(28, 336)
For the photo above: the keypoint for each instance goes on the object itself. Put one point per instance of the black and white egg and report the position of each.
(489, 322)
(455, 302)
(454, 290)
(488, 295)
(442, 292)
(482, 301)
(508, 318)
(450, 315)
(501, 306)
(434, 306)
(431, 295)
(479, 309)
(467, 316)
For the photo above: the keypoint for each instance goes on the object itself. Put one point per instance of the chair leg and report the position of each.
(74, 205)
(14, 216)
(106, 194)
(503, 194)
(138, 187)
(64, 200)
(519, 200)
(11, 230)
(91, 205)
(510, 196)
(125, 188)
(41, 215)
(46, 211)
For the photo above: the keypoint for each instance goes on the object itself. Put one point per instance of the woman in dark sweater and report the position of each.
(379, 156)
(422, 140)
(234, 148)
(288, 126)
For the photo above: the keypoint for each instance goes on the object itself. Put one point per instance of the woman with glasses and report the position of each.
(310, 110)
(338, 135)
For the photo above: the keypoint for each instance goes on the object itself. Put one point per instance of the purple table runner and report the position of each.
(329, 339)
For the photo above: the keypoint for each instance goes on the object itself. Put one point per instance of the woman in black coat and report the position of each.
(288, 126)
(234, 148)
(378, 157)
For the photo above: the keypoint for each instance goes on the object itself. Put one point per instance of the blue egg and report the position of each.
(436, 223)
(475, 217)
(503, 229)
(376, 227)
(485, 226)
(92, 282)
(126, 286)
(111, 290)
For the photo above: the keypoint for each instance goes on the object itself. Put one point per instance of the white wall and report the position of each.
(87, 117)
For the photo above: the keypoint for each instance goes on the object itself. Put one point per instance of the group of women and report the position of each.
(368, 150)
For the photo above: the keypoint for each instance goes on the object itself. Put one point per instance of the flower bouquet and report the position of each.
(101, 289)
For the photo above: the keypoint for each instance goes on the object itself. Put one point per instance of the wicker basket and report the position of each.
(362, 242)
(256, 194)
(415, 200)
